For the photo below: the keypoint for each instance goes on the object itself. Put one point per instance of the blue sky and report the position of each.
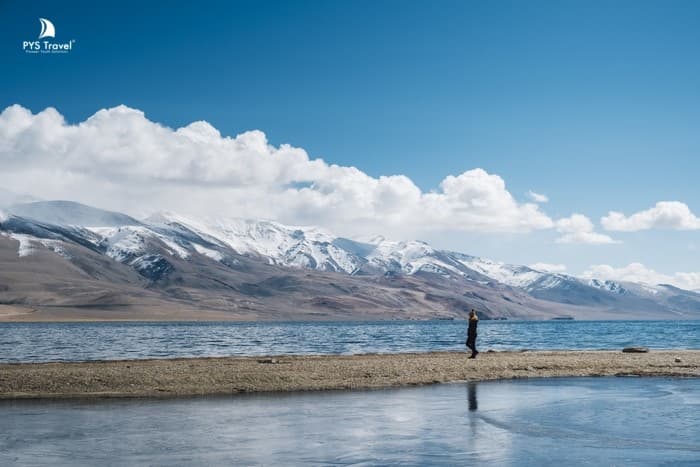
(594, 104)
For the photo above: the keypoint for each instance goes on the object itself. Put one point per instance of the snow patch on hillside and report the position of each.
(175, 248)
(209, 253)
(28, 244)
(125, 243)
(607, 285)
(25, 244)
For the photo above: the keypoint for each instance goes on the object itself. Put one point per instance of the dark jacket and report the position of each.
(472, 327)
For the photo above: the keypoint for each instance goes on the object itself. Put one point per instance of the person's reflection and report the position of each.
(471, 396)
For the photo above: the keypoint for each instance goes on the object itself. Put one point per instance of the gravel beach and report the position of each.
(231, 375)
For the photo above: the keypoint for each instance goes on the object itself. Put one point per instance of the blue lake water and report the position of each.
(43, 342)
(567, 421)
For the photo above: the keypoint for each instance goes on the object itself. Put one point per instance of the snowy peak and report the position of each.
(514, 276)
(301, 247)
(71, 213)
(406, 257)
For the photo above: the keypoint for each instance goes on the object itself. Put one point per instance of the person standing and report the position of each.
(471, 333)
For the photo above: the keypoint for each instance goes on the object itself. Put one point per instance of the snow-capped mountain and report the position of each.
(303, 247)
(315, 248)
(160, 247)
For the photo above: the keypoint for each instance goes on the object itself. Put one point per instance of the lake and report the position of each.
(567, 421)
(46, 342)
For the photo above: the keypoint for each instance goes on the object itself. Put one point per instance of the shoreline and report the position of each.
(208, 376)
(117, 314)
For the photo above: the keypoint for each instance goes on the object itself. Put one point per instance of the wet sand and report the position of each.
(215, 376)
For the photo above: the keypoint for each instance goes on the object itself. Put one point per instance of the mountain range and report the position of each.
(65, 260)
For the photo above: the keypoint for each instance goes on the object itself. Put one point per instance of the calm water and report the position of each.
(587, 421)
(41, 342)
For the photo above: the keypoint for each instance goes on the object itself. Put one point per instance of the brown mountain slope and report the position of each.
(82, 284)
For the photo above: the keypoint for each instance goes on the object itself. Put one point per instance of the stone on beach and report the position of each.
(635, 350)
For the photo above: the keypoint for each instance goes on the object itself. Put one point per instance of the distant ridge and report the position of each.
(70, 213)
(85, 256)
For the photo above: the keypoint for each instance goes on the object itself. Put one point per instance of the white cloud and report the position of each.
(578, 228)
(537, 198)
(118, 159)
(8, 198)
(637, 272)
(664, 215)
(546, 267)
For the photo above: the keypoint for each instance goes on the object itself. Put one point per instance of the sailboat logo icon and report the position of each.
(47, 45)
(47, 28)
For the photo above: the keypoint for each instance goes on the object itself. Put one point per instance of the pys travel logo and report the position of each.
(46, 46)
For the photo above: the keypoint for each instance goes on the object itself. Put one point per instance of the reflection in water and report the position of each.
(596, 421)
(472, 405)
(471, 396)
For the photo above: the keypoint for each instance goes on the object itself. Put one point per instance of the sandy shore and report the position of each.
(209, 376)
